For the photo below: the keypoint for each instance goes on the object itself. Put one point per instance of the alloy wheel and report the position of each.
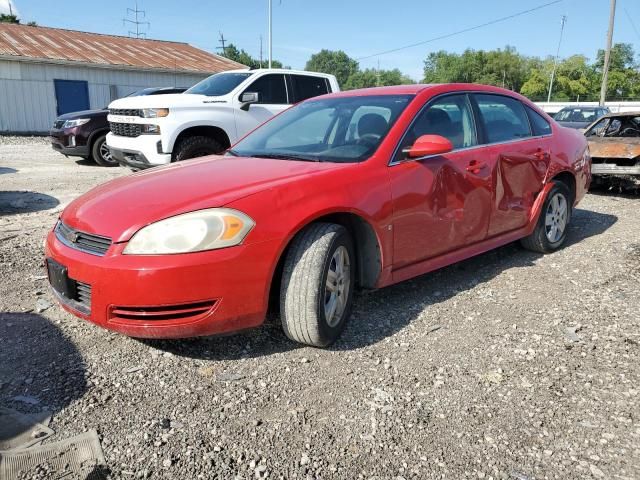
(105, 153)
(556, 217)
(337, 286)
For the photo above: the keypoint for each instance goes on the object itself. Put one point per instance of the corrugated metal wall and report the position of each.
(27, 95)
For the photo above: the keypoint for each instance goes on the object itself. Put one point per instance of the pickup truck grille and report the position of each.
(125, 129)
(129, 112)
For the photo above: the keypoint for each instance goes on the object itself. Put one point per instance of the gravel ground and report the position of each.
(510, 365)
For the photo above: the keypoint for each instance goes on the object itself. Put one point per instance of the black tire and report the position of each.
(196, 146)
(99, 155)
(539, 240)
(303, 293)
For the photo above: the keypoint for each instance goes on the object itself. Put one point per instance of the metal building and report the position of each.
(45, 72)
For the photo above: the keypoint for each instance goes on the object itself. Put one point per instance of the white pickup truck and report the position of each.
(209, 117)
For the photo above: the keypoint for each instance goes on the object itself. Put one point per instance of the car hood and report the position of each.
(119, 208)
(82, 114)
(161, 101)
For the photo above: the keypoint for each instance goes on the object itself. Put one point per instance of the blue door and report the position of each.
(71, 95)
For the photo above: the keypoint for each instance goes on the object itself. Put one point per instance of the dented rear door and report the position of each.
(518, 159)
(519, 169)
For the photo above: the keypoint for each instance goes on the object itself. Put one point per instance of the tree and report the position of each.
(376, 78)
(7, 18)
(336, 63)
(241, 56)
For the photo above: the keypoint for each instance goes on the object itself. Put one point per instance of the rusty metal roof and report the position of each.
(55, 44)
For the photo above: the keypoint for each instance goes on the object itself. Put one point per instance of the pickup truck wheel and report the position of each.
(196, 146)
(317, 284)
(101, 154)
(551, 229)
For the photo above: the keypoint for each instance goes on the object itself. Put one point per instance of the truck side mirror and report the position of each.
(247, 98)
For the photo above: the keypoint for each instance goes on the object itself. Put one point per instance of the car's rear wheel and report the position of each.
(551, 230)
(196, 146)
(318, 280)
(101, 154)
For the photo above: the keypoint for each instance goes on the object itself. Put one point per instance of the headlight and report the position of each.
(75, 123)
(154, 112)
(191, 232)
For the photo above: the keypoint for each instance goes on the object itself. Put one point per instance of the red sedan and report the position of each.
(359, 189)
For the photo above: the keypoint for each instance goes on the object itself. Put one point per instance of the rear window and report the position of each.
(307, 87)
(539, 124)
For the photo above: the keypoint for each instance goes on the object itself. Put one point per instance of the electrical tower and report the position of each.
(137, 22)
(222, 43)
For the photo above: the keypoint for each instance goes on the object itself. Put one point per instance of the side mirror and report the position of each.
(428, 145)
(247, 98)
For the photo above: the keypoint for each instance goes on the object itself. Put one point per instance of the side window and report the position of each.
(598, 129)
(271, 88)
(450, 117)
(538, 123)
(504, 118)
(307, 87)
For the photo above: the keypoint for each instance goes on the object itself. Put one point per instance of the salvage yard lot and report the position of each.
(507, 365)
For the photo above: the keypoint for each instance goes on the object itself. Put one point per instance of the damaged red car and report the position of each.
(360, 189)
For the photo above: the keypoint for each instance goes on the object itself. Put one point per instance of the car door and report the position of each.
(302, 87)
(519, 158)
(441, 202)
(272, 99)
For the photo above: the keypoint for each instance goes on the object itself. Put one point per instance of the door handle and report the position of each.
(475, 166)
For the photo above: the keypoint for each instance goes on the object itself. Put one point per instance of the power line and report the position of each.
(476, 27)
(635, 29)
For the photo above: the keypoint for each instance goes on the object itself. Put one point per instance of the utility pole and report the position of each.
(607, 54)
(136, 22)
(555, 61)
(270, 33)
(260, 51)
(222, 42)
(378, 74)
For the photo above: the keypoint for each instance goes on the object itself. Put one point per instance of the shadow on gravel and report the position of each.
(12, 202)
(86, 162)
(40, 369)
(4, 170)
(379, 314)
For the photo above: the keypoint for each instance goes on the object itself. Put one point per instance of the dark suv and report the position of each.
(82, 134)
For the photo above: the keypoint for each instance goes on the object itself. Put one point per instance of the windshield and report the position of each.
(339, 129)
(218, 84)
(577, 115)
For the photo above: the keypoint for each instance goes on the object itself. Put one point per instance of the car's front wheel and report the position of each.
(551, 230)
(196, 146)
(317, 284)
(101, 154)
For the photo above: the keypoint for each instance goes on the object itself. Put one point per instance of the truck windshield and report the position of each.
(218, 84)
(339, 129)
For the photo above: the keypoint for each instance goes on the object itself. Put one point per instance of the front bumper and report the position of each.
(234, 280)
(60, 142)
(138, 152)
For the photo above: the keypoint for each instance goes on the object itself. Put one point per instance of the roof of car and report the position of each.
(276, 70)
(621, 114)
(416, 88)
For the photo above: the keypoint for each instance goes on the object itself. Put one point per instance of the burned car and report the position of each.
(614, 142)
